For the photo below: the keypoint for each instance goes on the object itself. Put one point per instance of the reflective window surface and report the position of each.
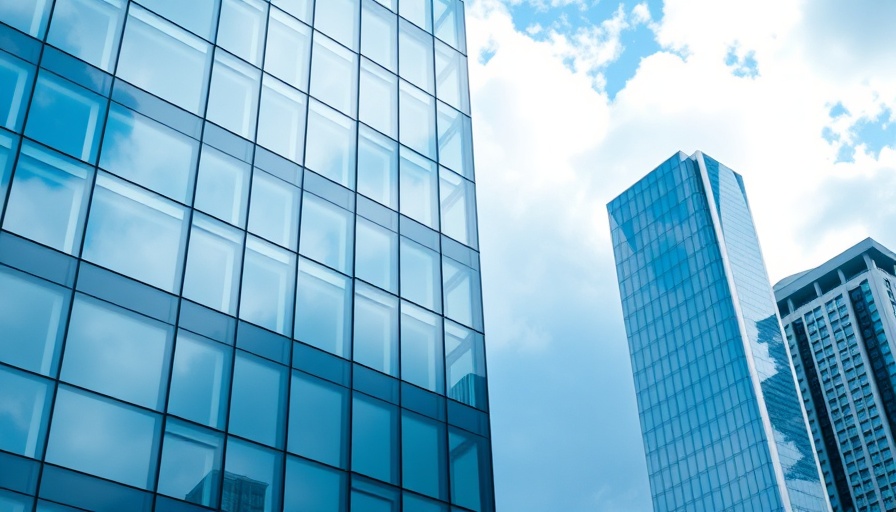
(66, 117)
(16, 77)
(89, 30)
(23, 418)
(200, 380)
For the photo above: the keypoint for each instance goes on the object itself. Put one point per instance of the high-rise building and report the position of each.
(720, 413)
(840, 323)
(239, 265)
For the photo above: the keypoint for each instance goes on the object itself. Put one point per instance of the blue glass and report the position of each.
(241, 28)
(462, 293)
(253, 474)
(200, 380)
(339, 19)
(424, 466)
(418, 189)
(312, 487)
(23, 416)
(222, 186)
(281, 119)
(413, 503)
(458, 207)
(370, 496)
(379, 35)
(7, 157)
(418, 12)
(214, 261)
(465, 361)
(16, 77)
(469, 473)
(331, 144)
(65, 116)
(422, 355)
(318, 420)
(421, 280)
(197, 16)
(376, 255)
(266, 297)
(274, 209)
(375, 438)
(376, 329)
(29, 16)
(451, 78)
(323, 308)
(334, 73)
(378, 167)
(378, 100)
(190, 463)
(415, 56)
(326, 233)
(233, 95)
(455, 141)
(288, 51)
(301, 9)
(89, 30)
(417, 120)
(257, 399)
(449, 23)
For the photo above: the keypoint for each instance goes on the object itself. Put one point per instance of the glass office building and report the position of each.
(840, 322)
(239, 265)
(720, 413)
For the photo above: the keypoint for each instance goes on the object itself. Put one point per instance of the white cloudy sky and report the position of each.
(573, 101)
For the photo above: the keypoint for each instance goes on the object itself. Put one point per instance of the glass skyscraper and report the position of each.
(239, 264)
(840, 322)
(720, 413)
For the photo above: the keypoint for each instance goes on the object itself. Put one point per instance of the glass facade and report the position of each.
(239, 263)
(719, 409)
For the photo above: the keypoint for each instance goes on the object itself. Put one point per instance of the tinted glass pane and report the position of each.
(24, 405)
(48, 200)
(191, 464)
(469, 470)
(311, 487)
(331, 144)
(374, 438)
(32, 320)
(378, 167)
(251, 475)
(451, 76)
(15, 80)
(301, 9)
(29, 16)
(242, 27)
(339, 20)
(281, 119)
(370, 496)
(378, 99)
(318, 420)
(197, 16)
(465, 358)
(420, 275)
(266, 298)
(67, 117)
(415, 56)
(419, 189)
(257, 399)
(117, 353)
(131, 149)
(379, 35)
(103, 438)
(200, 378)
(376, 329)
(423, 461)
(323, 308)
(14, 502)
(416, 118)
(233, 97)
(327, 233)
(165, 60)
(288, 50)
(213, 264)
(412, 503)
(455, 141)
(135, 233)
(334, 74)
(222, 187)
(88, 29)
(421, 348)
(457, 207)
(448, 16)
(419, 12)
(376, 255)
(462, 294)
(274, 210)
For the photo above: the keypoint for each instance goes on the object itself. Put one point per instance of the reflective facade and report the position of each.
(239, 261)
(720, 414)
(840, 322)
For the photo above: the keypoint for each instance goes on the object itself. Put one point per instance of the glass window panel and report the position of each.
(15, 502)
(266, 298)
(424, 467)
(421, 348)
(415, 56)
(458, 207)
(418, 12)
(412, 503)
(48, 200)
(416, 120)
(32, 319)
(222, 187)
(233, 97)
(318, 420)
(451, 77)
(274, 209)
(257, 399)
(104, 438)
(379, 35)
(213, 264)
(378, 167)
(323, 308)
(339, 19)
(418, 189)
(191, 464)
(135, 233)
(331, 144)
(281, 119)
(29, 16)
(24, 405)
(455, 141)
(117, 353)
(163, 59)
(312, 487)
(465, 361)
(448, 16)
(131, 150)
(200, 378)
(375, 438)
(7, 156)
(16, 76)
(88, 29)
(327, 233)
(251, 475)
(469, 470)
(378, 101)
(376, 255)
(66, 116)
(241, 28)
(301, 9)
(370, 496)
(288, 50)
(376, 329)
(420, 275)
(334, 74)
(463, 299)
(197, 16)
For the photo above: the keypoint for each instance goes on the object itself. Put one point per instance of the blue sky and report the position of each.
(575, 100)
